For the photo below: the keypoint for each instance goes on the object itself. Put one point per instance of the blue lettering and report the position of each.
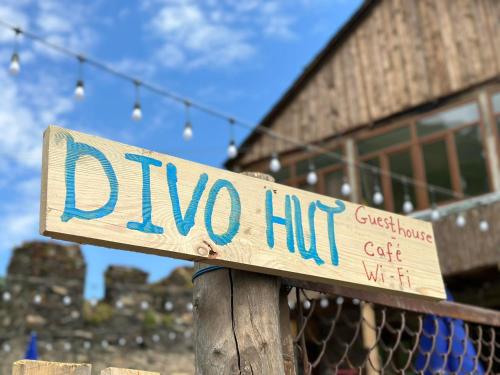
(312, 253)
(74, 150)
(234, 216)
(184, 224)
(146, 226)
(286, 221)
(330, 212)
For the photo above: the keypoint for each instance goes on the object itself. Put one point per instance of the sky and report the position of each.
(238, 56)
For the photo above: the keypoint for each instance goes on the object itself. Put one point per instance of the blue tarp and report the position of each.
(31, 350)
(452, 352)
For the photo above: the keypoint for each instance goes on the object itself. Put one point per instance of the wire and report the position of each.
(231, 119)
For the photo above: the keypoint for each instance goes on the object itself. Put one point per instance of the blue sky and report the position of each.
(238, 56)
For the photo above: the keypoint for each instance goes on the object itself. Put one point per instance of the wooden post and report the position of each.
(26, 367)
(237, 321)
(125, 371)
(369, 333)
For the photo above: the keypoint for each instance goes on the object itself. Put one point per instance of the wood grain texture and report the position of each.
(249, 249)
(125, 371)
(402, 54)
(27, 367)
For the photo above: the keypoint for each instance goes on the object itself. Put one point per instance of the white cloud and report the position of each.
(215, 33)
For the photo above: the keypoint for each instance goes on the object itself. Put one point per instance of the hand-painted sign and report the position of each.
(106, 193)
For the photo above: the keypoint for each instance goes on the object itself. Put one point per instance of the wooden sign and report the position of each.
(109, 194)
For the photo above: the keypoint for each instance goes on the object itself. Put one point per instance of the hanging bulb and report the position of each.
(232, 150)
(79, 90)
(155, 338)
(6, 296)
(274, 164)
(407, 205)
(435, 215)
(323, 302)
(37, 299)
(460, 220)
(484, 226)
(15, 64)
(345, 189)
(378, 198)
(122, 341)
(307, 304)
(312, 177)
(137, 112)
(187, 134)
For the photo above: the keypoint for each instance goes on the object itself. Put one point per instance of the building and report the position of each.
(413, 88)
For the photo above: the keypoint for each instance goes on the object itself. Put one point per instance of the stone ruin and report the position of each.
(136, 324)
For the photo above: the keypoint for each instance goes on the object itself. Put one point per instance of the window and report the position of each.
(449, 119)
(444, 149)
(391, 138)
(401, 163)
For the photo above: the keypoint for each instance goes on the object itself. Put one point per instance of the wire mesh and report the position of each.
(337, 335)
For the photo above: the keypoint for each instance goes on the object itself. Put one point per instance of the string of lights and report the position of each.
(232, 150)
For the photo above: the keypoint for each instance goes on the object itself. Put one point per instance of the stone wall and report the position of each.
(135, 325)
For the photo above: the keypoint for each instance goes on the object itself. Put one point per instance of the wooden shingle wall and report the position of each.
(402, 54)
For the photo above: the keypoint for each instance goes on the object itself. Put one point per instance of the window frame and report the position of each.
(414, 146)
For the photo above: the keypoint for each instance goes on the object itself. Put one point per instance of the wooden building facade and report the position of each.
(411, 87)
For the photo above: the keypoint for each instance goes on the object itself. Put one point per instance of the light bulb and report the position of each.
(407, 206)
(87, 345)
(484, 226)
(274, 164)
(312, 177)
(169, 306)
(6, 347)
(187, 134)
(345, 189)
(139, 340)
(307, 304)
(15, 64)
(6, 296)
(460, 221)
(339, 300)
(79, 90)
(104, 344)
(435, 215)
(323, 302)
(122, 341)
(378, 198)
(232, 150)
(67, 300)
(155, 338)
(189, 306)
(49, 347)
(67, 346)
(37, 299)
(171, 335)
(93, 302)
(137, 112)
(144, 305)
(119, 304)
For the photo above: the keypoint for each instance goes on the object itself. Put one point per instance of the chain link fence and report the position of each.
(341, 333)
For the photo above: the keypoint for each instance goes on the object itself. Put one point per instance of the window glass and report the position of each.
(449, 119)
(496, 102)
(305, 186)
(368, 182)
(401, 163)
(437, 170)
(385, 140)
(471, 160)
(320, 161)
(282, 175)
(333, 183)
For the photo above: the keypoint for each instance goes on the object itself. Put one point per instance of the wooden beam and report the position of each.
(27, 367)
(124, 371)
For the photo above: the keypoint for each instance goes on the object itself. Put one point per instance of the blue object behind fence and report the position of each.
(449, 336)
(31, 350)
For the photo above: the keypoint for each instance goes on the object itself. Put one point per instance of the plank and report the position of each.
(27, 367)
(237, 221)
(125, 371)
